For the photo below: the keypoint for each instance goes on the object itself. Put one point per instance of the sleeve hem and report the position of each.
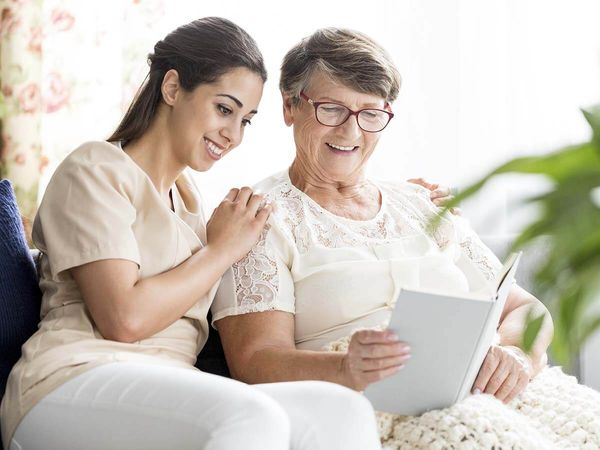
(236, 311)
(124, 250)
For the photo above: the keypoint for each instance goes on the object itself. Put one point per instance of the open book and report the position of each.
(449, 336)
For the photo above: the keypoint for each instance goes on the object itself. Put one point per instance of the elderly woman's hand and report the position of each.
(439, 195)
(373, 355)
(505, 373)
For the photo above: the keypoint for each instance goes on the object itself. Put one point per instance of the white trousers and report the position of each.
(140, 406)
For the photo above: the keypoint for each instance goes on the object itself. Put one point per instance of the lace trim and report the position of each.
(256, 280)
(478, 256)
(408, 212)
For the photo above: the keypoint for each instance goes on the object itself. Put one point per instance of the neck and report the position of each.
(319, 185)
(155, 154)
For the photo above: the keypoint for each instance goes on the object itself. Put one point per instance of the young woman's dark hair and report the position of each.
(200, 52)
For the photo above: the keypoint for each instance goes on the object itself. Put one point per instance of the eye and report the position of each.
(332, 109)
(246, 122)
(224, 109)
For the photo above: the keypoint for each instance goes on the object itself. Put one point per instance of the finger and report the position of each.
(441, 201)
(263, 215)
(376, 375)
(519, 387)
(244, 195)
(376, 337)
(485, 372)
(383, 350)
(440, 192)
(507, 386)
(424, 183)
(501, 373)
(232, 194)
(254, 203)
(369, 364)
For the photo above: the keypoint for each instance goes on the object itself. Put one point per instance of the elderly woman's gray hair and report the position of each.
(346, 56)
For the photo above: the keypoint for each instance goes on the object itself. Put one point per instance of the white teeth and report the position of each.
(340, 147)
(213, 148)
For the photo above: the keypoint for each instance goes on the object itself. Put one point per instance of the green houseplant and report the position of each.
(568, 221)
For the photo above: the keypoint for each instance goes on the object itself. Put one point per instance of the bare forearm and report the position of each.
(513, 325)
(278, 364)
(157, 302)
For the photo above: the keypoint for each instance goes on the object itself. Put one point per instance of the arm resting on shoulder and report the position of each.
(127, 309)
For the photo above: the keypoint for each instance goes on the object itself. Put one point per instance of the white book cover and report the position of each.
(449, 335)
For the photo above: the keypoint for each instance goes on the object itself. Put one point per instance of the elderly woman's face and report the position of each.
(332, 154)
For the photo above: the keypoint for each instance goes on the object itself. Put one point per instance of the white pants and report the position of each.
(140, 406)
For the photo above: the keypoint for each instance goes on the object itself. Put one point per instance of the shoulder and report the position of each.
(278, 189)
(272, 185)
(98, 159)
(406, 192)
(94, 169)
(290, 204)
(93, 152)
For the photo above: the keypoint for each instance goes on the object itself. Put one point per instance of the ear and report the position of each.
(388, 107)
(288, 115)
(170, 87)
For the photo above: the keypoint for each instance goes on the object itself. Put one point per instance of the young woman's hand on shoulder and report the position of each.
(236, 224)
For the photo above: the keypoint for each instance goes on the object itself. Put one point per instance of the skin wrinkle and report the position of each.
(261, 347)
(336, 182)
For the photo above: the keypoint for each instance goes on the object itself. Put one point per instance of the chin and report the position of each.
(201, 166)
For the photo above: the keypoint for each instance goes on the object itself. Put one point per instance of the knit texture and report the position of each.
(19, 291)
(554, 412)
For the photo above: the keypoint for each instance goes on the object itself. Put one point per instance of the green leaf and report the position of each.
(531, 331)
(592, 115)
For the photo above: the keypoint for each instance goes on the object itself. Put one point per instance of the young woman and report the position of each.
(129, 267)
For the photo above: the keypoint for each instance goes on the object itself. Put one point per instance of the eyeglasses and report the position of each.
(333, 115)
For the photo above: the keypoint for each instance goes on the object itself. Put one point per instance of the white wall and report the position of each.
(483, 81)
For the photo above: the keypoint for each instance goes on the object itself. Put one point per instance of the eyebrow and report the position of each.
(237, 102)
(368, 105)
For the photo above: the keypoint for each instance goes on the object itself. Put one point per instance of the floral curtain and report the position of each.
(68, 70)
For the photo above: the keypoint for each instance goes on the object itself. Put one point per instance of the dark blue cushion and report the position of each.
(19, 291)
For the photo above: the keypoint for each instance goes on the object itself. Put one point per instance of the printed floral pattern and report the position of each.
(67, 74)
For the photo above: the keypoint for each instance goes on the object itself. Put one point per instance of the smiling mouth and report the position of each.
(214, 151)
(341, 148)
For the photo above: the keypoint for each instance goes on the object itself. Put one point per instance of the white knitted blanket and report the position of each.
(554, 412)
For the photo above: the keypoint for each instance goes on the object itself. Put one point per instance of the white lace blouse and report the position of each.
(336, 274)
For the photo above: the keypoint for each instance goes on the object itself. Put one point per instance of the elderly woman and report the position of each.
(338, 248)
(340, 245)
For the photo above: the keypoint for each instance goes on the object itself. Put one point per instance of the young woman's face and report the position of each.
(207, 123)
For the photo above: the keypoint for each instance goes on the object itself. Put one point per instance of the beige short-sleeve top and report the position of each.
(101, 205)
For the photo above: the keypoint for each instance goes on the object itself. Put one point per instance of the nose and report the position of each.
(233, 135)
(350, 129)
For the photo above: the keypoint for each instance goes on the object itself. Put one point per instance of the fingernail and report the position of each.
(392, 337)
(476, 391)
